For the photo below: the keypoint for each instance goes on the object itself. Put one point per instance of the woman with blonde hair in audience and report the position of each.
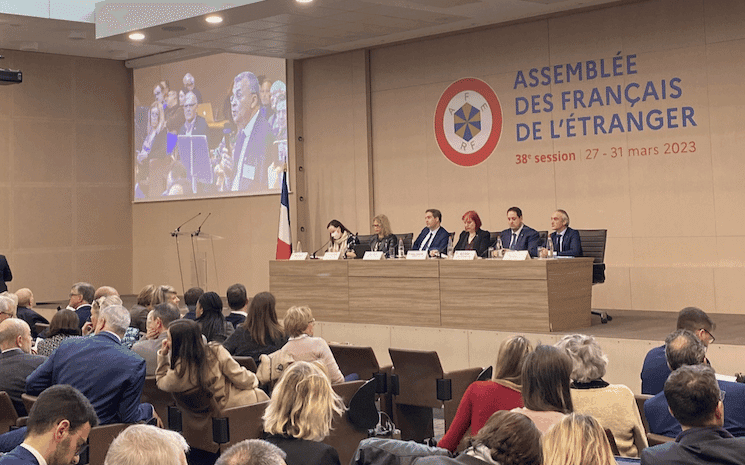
(545, 386)
(577, 440)
(165, 293)
(483, 398)
(300, 413)
(299, 324)
(64, 324)
(186, 362)
(613, 405)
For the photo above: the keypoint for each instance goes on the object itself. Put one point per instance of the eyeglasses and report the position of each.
(74, 293)
(711, 336)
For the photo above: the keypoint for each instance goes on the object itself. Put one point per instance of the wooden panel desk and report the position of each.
(531, 295)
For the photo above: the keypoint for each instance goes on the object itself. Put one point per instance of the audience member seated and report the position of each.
(261, 333)
(147, 445)
(64, 325)
(191, 297)
(655, 370)
(383, 240)
(300, 413)
(185, 362)
(16, 360)
(8, 305)
(252, 452)
(210, 318)
(157, 331)
(545, 386)
(238, 303)
(695, 399)
(81, 297)
(483, 398)
(613, 405)
(577, 440)
(25, 310)
(139, 311)
(507, 438)
(683, 348)
(299, 323)
(165, 293)
(107, 373)
(338, 237)
(433, 238)
(473, 237)
(58, 427)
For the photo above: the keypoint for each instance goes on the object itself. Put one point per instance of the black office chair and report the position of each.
(593, 245)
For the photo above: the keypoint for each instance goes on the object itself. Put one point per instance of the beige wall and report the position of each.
(65, 180)
(673, 221)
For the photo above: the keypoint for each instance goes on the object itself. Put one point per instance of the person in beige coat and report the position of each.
(186, 362)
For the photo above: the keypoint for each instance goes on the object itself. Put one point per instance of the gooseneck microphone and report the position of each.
(199, 229)
(313, 255)
(178, 230)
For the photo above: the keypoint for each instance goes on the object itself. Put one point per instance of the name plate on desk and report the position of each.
(370, 255)
(299, 256)
(464, 255)
(331, 255)
(416, 255)
(516, 255)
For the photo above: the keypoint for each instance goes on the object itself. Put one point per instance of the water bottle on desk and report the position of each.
(400, 248)
(298, 249)
(499, 246)
(451, 247)
(550, 246)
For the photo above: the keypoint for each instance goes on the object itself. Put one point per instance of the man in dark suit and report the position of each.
(245, 170)
(16, 361)
(238, 303)
(695, 400)
(655, 370)
(684, 348)
(25, 310)
(190, 300)
(433, 237)
(58, 428)
(194, 125)
(519, 236)
(107, 373)
(565, 239)
(81, 298)
(5, 273)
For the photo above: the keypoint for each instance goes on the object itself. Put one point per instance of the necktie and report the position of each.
(561, 242)
(426, 241)
(513, 242)
(238, 160)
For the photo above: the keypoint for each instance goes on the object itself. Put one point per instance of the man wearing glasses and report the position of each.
(684, 348)
(58, 428)
(655, 370)
(194, 125)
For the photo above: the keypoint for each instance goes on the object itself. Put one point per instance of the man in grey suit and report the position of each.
(16, 360)
(157, 329)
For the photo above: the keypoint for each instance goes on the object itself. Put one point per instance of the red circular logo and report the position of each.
(468, 122)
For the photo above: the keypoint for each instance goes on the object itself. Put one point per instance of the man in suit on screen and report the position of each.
(519, 236)
(433, 238)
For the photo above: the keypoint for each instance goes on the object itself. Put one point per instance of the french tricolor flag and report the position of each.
(284, 239)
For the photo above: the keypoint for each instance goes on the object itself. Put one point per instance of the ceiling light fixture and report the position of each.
(213, 19)
(303, 1)
(137, 36)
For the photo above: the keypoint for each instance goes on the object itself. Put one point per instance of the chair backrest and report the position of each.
(28, 401)
(245, 422)
(247, 362)
(486, 374)
(353, 359)
(417, 372)
(196, 400)
(197, 407)
(363, 413)
(8, 414)
(40, 327)
(657, 439)
(344, 436)
(365, 238)
(408, 239)
(99, 440)
(160, 400)
(493, 238)
(542, 237)
(593, 245)
(640, 399)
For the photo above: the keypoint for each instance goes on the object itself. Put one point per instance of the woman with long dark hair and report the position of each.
(261, 332)
(210, 318)
(186, 362)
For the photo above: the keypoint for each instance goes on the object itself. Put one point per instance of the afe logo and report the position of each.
(468, 122)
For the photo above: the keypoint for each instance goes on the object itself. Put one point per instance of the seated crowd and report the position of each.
(545, 405)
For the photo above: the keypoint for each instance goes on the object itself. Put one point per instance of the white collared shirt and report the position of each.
(239, 166)
(12, 348)
(36, 453)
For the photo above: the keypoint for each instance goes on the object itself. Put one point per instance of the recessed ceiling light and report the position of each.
(137, 36)
(214, 19)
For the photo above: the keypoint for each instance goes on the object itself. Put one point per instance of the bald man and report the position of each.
(25, 310)
(16, 360)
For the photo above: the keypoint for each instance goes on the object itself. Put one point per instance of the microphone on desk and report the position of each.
(199, 229)
(177, 230)
(313, 255)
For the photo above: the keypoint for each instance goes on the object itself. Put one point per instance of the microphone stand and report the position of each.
(319, 249)
(176, 232)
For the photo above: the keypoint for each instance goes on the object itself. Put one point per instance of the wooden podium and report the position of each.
(495, 295)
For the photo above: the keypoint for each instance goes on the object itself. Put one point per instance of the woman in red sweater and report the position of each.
(483, 398)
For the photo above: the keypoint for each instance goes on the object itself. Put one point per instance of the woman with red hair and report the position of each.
(473, 237)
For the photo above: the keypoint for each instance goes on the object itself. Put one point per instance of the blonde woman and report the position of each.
(300, 413)
(165, 293)
(577, 440)
(299, 324)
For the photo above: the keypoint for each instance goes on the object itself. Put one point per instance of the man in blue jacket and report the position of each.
(433, 238)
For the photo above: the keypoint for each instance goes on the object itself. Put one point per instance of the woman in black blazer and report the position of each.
(473, 237)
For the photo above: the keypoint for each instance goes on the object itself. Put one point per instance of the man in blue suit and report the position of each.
(684, 348)
(566, 240)
(58, 428)
(433, 237)
(696, 401)
(107, 373)
(519, 236)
